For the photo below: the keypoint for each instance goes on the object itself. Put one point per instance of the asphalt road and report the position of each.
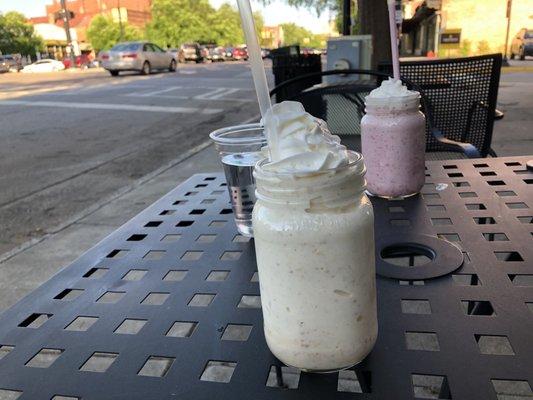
(70, 140)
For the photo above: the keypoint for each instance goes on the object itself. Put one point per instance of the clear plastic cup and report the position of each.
(239, 148)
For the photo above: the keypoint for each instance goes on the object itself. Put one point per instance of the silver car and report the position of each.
(137, 56)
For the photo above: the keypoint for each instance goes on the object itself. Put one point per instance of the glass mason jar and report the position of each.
(314, 240)
(393, 141)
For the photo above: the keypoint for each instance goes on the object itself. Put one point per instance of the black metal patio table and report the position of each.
(168, 305)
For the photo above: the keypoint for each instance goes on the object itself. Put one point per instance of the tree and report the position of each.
(17, 36)
(104, 33)
(297, 35)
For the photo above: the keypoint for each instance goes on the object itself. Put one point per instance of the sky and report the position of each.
(275, 13)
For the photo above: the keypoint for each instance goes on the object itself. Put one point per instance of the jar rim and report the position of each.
(355, 158)
(222, 135)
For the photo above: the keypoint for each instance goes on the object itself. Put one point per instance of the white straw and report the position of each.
(254, 53)
(394, 39)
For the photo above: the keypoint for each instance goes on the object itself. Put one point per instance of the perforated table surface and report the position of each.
(168, 305)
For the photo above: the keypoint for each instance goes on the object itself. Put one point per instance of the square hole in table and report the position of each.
(521, 279)
(283, 377)
(415, 306)
(217, 192)
(130, 326)
(156, 366)
(528, 181)
(175, 275)
(481, 165)
(81, 324)
(450, 237)
(181, 329)
(494, 345)
(477, 307)
(217, 276)
(396, 209)
(455, 175)
(226, 211)
(153, 224)
(484, 220)
(110, 297)
(61, 397)
(449, 166)
(430, 386)
(348, 381)
(154, 255)
(218, 371)
(487, 173)
(35, 320)
(512, 389)
(250, 301)
(465, 195)
(411, 283)
(201, 185)
(508, 256)
(435, 207)
(231, 255)
(430, 196)
(217, 224)
(201, 300)
(69, 294)
(210, 178)
(96, 273)
(179, 202)
(512, 163)
(183, 224)
(495, 237)
(171, 238)
(466, 280)
(441, 221)
(6, 394)
(400, 222)
(426, 341)
(526, 219)
(516, 205)
(136, 238)
(117, 253)
(241, 239)
(44, 358)
(255, 277)
(135, 275)
(99, 362)
(496, 183)
(155, 299)
(206, 238)
(461, 184)
(207, 201)
(192, 255)
(475, 206)
(5, 350)
(237, 332)
(505, 193)
(168, 212)
(191, 193)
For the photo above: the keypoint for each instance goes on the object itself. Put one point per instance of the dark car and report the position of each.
(192, 52)
(10, 63)
(240, 53)
(522, 44)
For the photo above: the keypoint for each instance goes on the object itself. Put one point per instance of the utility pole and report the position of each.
(509, 9)
(65, 14)
(120, 21)
(347, 17)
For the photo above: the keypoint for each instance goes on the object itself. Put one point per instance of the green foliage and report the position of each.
(483, 47)
(175, 22)
(294, 34)
(104, 33)
(319, 5)
(466, 48)
(17, 36)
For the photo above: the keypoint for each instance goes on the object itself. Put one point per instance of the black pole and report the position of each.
(66, 24)
(509, 9)
(346, 17)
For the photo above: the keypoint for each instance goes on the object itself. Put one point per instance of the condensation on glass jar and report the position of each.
(393, 141)
(314, 240)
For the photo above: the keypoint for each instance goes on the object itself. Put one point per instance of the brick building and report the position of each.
(134, 12)
(460, 27)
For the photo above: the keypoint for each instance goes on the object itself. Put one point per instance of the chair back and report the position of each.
(461, 94)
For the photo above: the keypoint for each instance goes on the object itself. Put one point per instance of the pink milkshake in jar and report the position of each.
(393, 139)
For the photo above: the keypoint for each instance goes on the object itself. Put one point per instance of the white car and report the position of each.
(46, 65)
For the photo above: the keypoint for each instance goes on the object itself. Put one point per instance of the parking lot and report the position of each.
(73, 139)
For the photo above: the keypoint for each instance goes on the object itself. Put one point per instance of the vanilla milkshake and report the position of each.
(314, 238)
(393, 140)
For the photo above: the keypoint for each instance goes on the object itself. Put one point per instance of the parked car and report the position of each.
(265, 53)
(81, 61)
(137, 56)
(216, 53)
(522, 44)
(10, 63)
(178, 54)
(192, 52)
(45, 65)
(204, 52)
(240, 53)
(229, 53)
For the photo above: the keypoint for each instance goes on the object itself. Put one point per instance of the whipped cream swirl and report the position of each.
(303, 143)
(392, 93)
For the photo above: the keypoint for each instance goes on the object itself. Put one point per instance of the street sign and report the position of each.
(450, 39)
